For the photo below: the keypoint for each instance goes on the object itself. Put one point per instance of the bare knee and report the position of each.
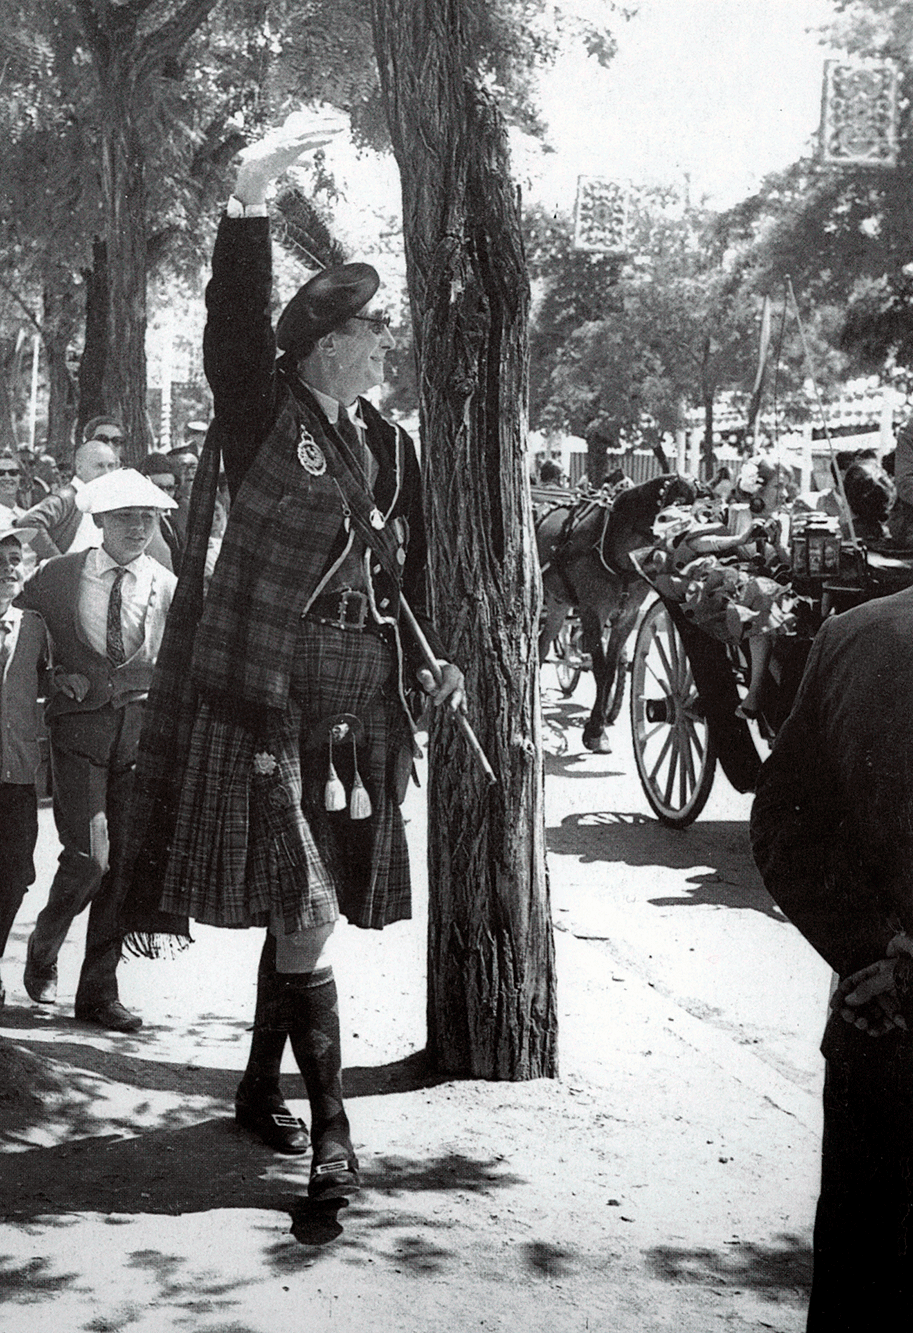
(304, 951)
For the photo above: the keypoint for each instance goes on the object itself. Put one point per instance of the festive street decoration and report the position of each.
(601, 216)
(859, 113)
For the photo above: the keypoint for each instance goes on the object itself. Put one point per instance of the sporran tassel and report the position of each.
(360, 804)
(334, 793)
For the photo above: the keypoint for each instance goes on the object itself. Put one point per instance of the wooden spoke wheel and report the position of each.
(569, 657)
(673, 749)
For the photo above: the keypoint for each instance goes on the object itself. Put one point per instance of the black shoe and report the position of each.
(266, 1115)
(334, 1169)
(40, 982)
(109, 1014)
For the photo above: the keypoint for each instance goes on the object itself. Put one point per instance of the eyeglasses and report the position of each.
(109, 439)
(378, 322)
(9, 472)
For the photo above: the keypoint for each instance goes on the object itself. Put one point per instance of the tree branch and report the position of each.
(20, 301)
(172, 36)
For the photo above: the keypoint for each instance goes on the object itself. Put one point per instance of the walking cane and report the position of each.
(462, 720)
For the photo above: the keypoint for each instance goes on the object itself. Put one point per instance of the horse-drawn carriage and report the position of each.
(686, 685)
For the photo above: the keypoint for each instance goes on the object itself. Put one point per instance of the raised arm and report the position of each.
(239, 349)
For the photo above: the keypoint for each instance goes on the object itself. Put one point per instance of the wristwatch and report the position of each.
(235, 209)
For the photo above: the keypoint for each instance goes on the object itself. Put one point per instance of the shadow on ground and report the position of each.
(69, 1092)
(775, 1271)
(203, 1167)
(718, 850)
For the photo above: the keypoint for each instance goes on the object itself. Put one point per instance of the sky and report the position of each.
(719, 91)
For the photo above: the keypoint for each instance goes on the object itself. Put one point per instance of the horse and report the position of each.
(584, 551)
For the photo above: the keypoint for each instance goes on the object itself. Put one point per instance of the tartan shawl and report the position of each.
(284, 525)
(235, 649)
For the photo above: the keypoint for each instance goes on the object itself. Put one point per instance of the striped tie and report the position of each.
(115, 635)
(5, 629)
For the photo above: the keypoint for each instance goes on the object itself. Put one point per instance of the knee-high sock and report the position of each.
(314, 1034)
(270, 1022)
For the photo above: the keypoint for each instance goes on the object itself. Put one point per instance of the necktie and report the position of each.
(358, 443)
(115, 635)
(349, 433)
(5, 629)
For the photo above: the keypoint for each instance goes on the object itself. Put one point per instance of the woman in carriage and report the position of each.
(733, 586)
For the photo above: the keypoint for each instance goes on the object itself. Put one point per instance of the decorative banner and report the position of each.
(601, 216)
(859, 114)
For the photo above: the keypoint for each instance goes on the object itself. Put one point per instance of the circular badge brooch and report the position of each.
(310, 455)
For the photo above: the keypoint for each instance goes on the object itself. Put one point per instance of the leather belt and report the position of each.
(346, 608)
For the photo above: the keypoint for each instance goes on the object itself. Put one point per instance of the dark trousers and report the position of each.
(19, 825)
(93, 757)
(863, 1245)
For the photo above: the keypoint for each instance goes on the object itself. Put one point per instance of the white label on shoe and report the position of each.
(325, 1167)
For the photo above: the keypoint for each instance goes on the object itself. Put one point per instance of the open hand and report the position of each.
(868, 999)
(267, 158)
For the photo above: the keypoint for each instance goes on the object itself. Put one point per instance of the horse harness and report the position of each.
(577, 515)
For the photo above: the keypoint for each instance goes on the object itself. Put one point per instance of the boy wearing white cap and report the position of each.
(105, 610)
(23, 661)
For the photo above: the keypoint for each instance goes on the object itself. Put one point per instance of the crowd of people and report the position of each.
(224, 640)
(59, 561)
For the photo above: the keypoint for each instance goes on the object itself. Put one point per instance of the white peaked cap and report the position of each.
(124, 489)
(24, 535)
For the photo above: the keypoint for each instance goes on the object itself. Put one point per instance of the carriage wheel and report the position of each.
(673, 750)
(568, 650)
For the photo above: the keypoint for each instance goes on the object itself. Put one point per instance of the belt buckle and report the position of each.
(352, 597)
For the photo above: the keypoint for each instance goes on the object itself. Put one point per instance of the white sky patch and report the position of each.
(721, 91)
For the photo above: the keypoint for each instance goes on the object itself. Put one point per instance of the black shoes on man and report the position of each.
(41, 986)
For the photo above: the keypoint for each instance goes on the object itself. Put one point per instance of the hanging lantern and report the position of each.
(601, 216)
(859, 113)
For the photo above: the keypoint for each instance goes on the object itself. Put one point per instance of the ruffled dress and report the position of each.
(728, 597)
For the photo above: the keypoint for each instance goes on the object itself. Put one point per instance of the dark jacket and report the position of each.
(832, 822)
(57, 519)
(54, 593)
(288, 527)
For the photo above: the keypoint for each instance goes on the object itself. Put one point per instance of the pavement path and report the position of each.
(665, 1181)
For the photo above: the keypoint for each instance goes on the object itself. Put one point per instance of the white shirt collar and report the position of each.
(332, 407)
(103, 562)
(76, 483)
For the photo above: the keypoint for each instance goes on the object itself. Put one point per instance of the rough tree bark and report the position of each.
(61, 319)
(95, 346)
(128, 53)
(491, 976)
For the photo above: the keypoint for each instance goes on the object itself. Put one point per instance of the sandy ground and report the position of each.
(666, 1180)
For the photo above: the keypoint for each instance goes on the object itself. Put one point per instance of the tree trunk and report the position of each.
(124, 198)
(597, 459)
(491, 974)
(9, 369)
(59, 326)
(95, 347)
(707, 395)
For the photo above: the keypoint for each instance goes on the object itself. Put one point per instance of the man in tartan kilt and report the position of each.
(289, 711)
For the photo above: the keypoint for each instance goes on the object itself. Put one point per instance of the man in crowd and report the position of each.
(105, 610)
(105, 428)
(62, 526)
(832, 833)
(186, 460)
(23, 661)
(302, 741)
(167, 545)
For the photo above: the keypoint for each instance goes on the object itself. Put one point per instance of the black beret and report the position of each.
(324, 302)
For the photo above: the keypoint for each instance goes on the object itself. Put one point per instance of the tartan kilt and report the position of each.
(253, 841)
